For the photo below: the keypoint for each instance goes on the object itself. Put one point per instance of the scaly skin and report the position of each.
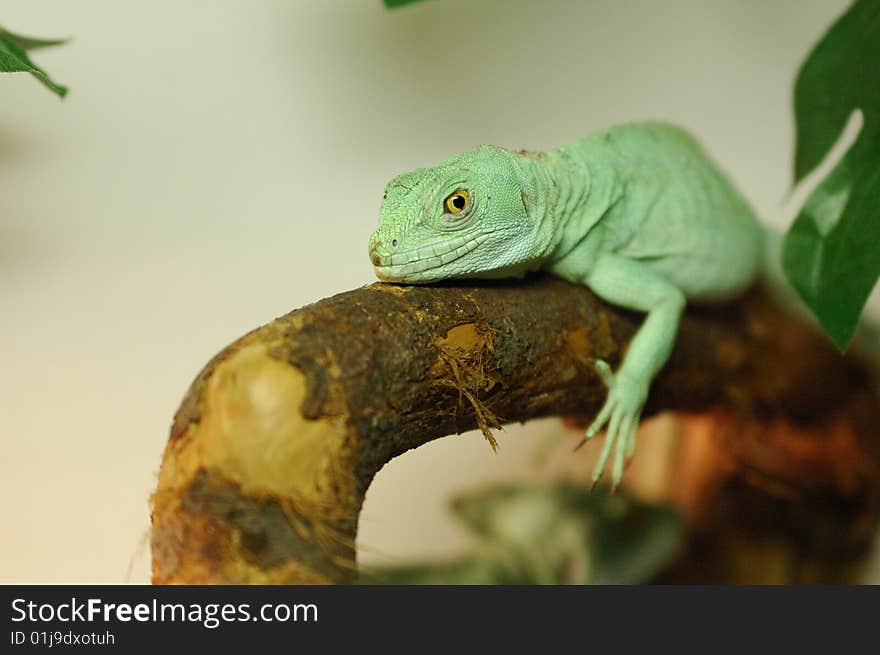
(637, 213)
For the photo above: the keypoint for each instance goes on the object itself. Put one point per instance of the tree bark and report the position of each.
(278, 438)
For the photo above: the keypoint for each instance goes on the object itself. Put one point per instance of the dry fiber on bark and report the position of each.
(275, 443)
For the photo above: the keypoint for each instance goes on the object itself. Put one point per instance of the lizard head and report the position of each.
(463, 218)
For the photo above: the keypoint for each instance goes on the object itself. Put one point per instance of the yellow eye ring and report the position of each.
(457, 202)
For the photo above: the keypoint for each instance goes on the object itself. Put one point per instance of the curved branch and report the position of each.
(275, 443)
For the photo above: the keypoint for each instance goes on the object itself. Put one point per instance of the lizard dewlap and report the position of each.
(638, 213)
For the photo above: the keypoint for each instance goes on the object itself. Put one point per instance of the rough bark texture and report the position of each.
(275, 443)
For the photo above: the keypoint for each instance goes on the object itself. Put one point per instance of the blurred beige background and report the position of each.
(217, 164)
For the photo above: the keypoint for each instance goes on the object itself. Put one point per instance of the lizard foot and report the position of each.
(621, 411)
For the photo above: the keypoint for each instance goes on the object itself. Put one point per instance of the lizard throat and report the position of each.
(412, 265)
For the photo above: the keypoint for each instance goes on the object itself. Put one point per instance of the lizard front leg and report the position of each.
(633, 285)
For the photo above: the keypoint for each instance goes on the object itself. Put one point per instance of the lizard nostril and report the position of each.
(393, 243)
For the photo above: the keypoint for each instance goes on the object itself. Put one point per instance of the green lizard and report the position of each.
(638, 213)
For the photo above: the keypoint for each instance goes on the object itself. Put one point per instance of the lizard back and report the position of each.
(668, 205)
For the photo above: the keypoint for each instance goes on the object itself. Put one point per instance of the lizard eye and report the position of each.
(457, 202)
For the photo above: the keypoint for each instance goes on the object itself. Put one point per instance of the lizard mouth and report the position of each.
(410, 266)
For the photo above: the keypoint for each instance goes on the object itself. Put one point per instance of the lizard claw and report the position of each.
(621, 411)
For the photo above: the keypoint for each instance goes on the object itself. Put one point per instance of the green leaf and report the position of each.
(831, 253)
(14, 58)
(391, 4)
(30, 42)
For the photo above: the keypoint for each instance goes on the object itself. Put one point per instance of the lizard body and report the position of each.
(638, 213)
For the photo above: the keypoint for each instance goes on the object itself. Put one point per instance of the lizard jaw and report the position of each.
(410, 266)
